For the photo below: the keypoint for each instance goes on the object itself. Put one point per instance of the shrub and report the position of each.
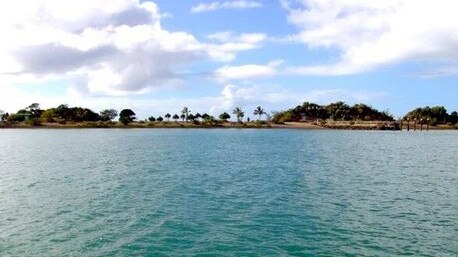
(287, 116)
(35, 122)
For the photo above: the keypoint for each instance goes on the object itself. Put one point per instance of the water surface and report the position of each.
(172, 192)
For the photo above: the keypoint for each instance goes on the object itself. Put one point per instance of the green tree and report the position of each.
(167, 116)
(205, 116)
(259, 111)
(5, 116)
(439, 113)
(126, 116)
(224, 116)
(21, 115)
(108, 114)
(311, 110)
(436, 114)
(35, 122)
(160, 119)
(209, 120)
(361, 112)
(84, 114)
(175, 117)
(2, 115)
(338, 110)
(453, 117)
(182, 116)
(34, 110)
(62, 111)
(238, 113)
(48, 115)
(151, 118)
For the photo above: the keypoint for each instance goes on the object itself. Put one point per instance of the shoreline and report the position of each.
(226, 125)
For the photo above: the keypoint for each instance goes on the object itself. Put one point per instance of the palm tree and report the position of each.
(239, 113)
(259, 111)
(175, 117)
(185, 112)
(167, 116)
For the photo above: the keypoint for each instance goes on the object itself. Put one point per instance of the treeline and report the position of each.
(338, 111)
(335, 111)
(34, 115)
(187, 115)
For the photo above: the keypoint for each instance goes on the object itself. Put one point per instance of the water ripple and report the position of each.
(227, 193)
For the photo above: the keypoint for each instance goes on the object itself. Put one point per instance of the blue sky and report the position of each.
(211, 56)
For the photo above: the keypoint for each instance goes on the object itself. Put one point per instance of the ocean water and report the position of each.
(172, 192)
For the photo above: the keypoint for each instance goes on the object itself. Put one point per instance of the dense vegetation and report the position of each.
(334, 111)
(339, 111)
(34, 115)
(434, 116)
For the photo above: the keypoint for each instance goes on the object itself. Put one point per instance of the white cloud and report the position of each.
(225, 37)
(271, 97)
(225, 44)
(326, 96)
(107, 47)
(237, 4)
(330, 70)
(248, 71)
(373, 33)
(276, 98)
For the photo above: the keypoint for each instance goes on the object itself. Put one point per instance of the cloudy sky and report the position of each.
(159, 56)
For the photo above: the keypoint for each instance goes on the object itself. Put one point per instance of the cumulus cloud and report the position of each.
(107, 47)
(278, 98)
(372, 33)
(238, 4)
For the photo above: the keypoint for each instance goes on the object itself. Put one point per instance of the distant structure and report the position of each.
(422, 122)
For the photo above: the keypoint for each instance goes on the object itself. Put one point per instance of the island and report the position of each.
(338, 115)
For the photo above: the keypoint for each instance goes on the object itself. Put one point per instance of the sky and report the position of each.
(156, 57)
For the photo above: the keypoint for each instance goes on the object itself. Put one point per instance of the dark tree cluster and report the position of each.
(62, 113)
(77, 114)
(188, 116)
(432, 115)
(127, 116)
(335, 111)
(33, 111)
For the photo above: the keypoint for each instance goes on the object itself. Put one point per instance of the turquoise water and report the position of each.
(228, 193)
